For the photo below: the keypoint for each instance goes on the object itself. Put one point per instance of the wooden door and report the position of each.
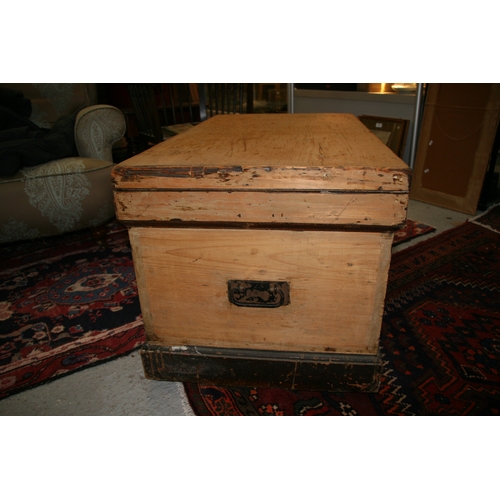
(455, 144)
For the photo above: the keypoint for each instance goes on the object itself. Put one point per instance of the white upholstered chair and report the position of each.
(66, 194)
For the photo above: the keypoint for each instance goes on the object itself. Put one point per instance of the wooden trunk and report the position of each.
(261, 245)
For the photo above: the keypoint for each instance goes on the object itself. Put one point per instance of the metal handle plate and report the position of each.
(271, 294)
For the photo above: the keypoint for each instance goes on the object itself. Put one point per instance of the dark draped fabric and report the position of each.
(25, 144)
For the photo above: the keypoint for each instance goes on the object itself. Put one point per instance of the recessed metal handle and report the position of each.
(245, 293)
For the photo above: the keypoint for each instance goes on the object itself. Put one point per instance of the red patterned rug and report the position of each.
(66, 303)
(440, 339)
(411, 230)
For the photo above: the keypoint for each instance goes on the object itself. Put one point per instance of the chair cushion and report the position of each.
(55, 197)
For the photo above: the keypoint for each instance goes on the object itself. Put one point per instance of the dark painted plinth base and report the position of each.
(258, 368)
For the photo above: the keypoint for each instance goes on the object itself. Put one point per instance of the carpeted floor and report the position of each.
(440, 339)
(66, 303)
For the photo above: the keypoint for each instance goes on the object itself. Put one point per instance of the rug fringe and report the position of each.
(188, 410)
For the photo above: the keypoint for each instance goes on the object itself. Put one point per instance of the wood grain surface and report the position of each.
(262, 207)
(266, 151)
(337, 287)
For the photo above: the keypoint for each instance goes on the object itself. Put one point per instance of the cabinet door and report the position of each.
(455, 144)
